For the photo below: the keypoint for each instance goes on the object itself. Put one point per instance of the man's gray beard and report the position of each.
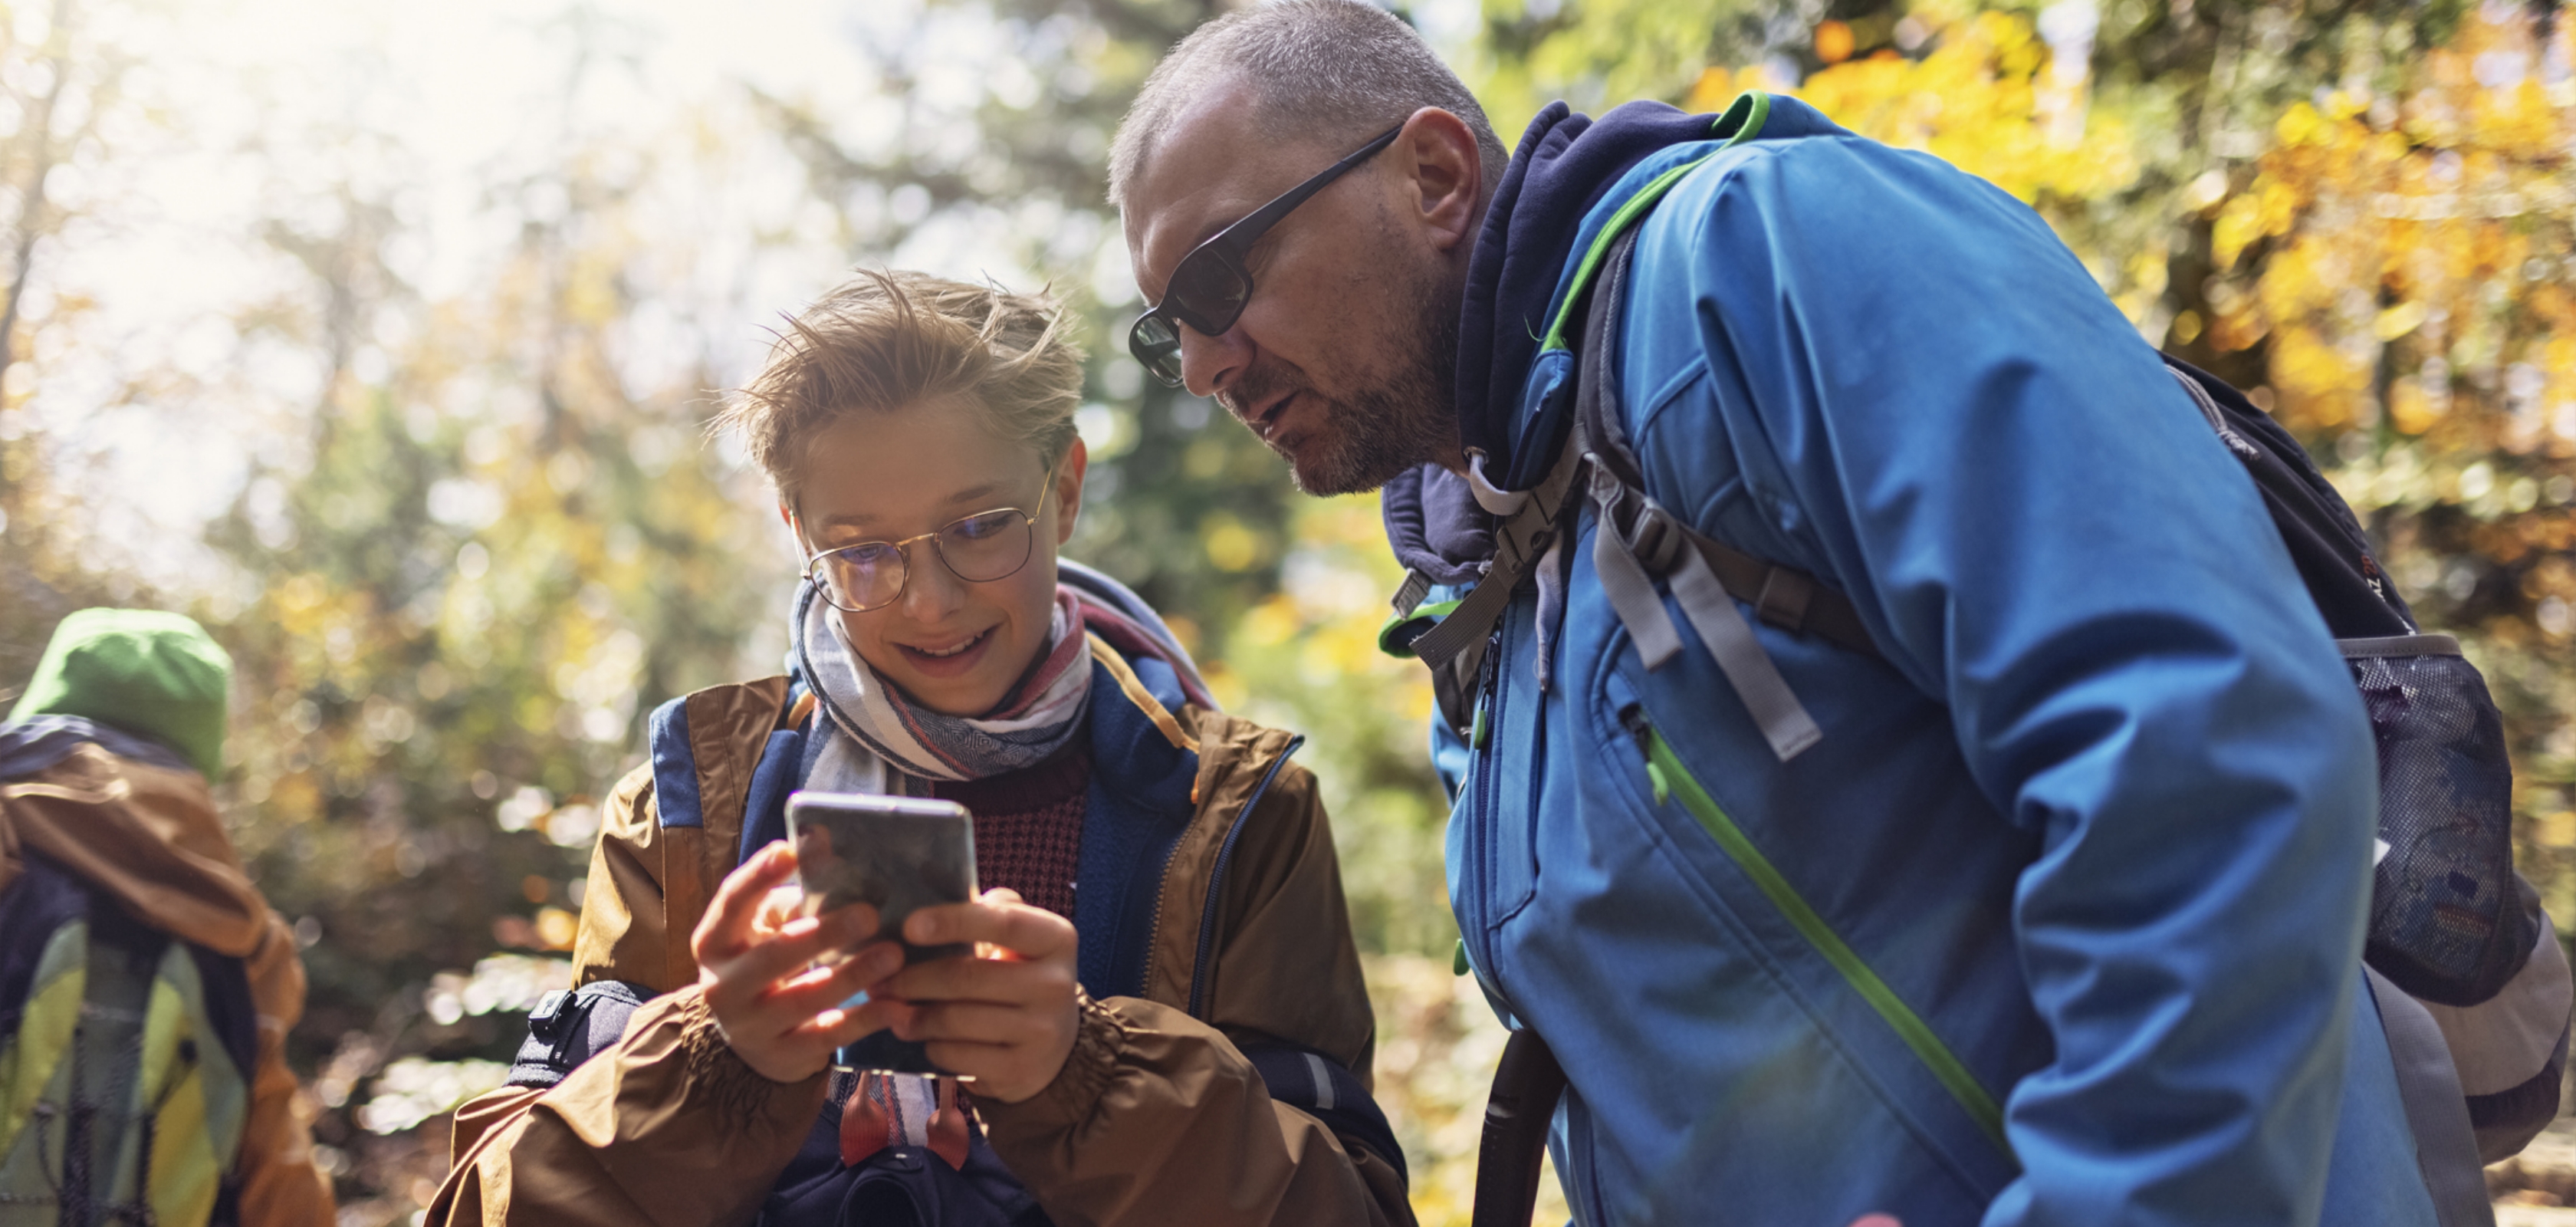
(1409, 421)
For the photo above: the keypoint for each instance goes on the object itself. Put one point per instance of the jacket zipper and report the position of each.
(1485, 781)
(1671, 780)
(1216, 878)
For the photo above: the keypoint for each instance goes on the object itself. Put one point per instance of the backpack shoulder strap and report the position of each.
(2436, 1112)
(2325, 539)
(1781, 596)
(570, 1026)
(1321, 1087)
(1639, 542)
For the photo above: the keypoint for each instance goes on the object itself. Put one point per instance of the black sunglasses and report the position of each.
(1210, 286)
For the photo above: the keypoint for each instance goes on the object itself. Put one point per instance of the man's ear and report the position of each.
(1068, 488)
(1444, 173)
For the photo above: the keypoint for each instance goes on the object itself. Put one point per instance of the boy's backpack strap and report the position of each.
(745, 719)
(570, 1026)
(1321, 1087)
(675, 765)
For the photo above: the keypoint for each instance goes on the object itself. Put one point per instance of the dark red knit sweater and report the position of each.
(1028, 826)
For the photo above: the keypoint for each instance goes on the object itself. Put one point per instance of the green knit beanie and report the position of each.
(149, 673)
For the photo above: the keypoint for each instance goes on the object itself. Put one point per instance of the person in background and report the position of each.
(146, 989)
(1167, 1023)
(1906, 772)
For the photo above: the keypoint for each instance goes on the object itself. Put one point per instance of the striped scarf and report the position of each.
(1033, 722)
(878, 736)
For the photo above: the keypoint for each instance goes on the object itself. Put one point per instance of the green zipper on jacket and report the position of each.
(1670, 779)
(1742, 122)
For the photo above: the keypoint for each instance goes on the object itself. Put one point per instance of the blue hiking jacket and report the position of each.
(2061, 922)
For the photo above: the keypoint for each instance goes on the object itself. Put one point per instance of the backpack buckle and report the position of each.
(1783, 602)
(547, 1020)
(1654, 536)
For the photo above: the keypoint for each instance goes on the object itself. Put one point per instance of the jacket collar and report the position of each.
(1566, 164)
(1568, 177)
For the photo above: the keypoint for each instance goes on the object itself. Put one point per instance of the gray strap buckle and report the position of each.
(1416, 586)
(1519, 541)
(1784, 721)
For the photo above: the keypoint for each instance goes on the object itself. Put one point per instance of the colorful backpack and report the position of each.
(125, 1063)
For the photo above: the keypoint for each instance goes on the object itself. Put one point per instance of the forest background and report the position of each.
(380, 338)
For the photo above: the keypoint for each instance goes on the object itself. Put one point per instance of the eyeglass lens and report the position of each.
(978, 549)
(1156, 343)
(1207, 293)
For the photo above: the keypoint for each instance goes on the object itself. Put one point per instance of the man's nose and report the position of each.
(1210, 365)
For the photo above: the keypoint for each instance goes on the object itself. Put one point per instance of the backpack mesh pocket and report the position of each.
(2445, 924)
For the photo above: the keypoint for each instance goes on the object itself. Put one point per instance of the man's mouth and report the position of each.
(1259, 411)
(1266, 423)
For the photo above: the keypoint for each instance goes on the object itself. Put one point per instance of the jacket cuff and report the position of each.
(739, 1095)
(1097, 1041)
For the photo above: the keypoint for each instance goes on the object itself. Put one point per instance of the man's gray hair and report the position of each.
(1333, 72)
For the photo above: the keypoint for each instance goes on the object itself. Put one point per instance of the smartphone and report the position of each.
(897, 854)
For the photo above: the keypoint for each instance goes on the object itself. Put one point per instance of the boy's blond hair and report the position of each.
(886, 340)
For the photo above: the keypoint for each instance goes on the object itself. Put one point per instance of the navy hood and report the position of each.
(1565, 165)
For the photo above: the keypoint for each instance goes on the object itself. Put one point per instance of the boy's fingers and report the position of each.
(1008, 982)
(802, 1001)
(1030, 933)
(971, 1022)
(728, 922)
(754, 969)
(782, 904)
(862, 972)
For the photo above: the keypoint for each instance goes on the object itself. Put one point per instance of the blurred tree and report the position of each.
(501, 545)
(999, 118)
(61, 83)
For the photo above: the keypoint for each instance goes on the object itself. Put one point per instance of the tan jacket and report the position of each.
(1156, 1117)
(149, 836)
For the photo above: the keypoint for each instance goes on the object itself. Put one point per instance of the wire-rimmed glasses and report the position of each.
(978, 548)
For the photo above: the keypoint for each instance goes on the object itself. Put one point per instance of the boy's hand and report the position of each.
(1005, 1017)
(775, 982)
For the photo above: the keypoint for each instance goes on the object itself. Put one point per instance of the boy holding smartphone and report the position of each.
(1198, 1053)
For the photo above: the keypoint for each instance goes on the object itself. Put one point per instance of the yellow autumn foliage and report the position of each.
(2419, 244)
(1980, 101)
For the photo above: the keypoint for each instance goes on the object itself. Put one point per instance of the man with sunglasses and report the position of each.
(1994, 844)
